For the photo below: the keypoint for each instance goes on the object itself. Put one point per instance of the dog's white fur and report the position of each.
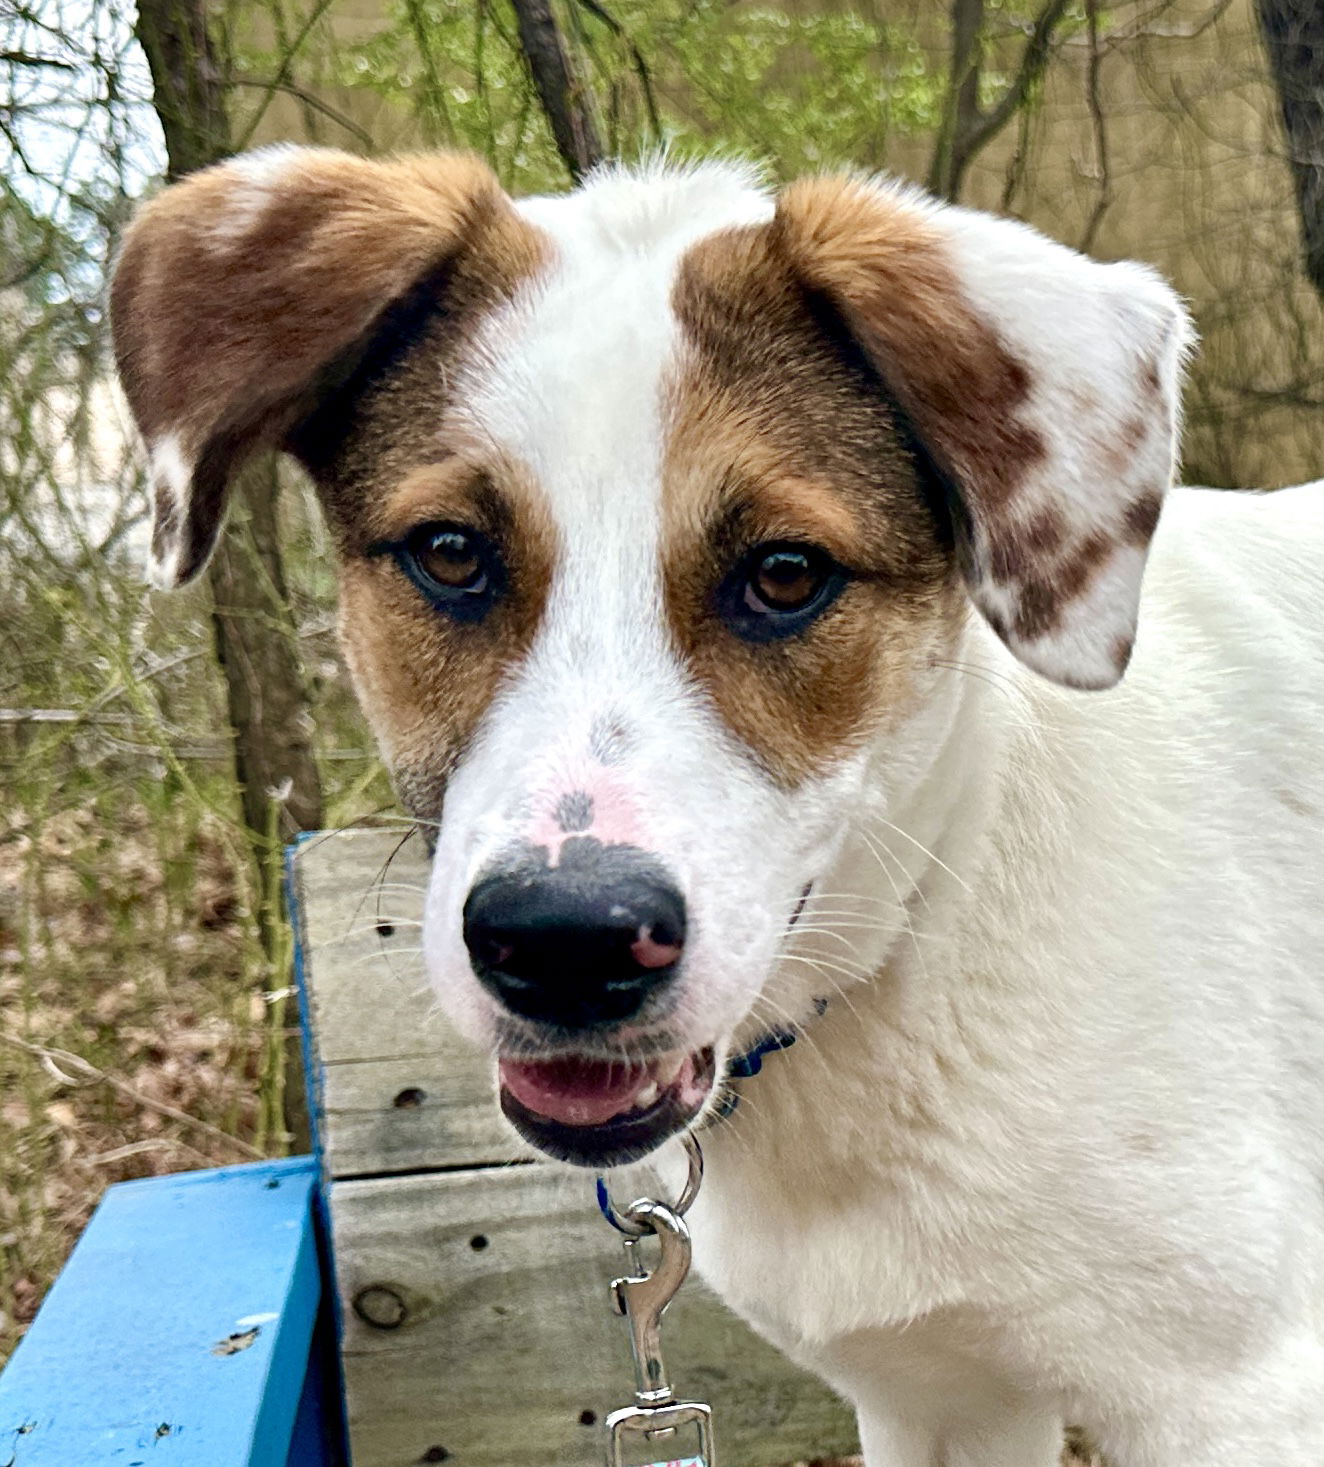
(1056, 1150)
(1061, 1155)
(1064, 1154)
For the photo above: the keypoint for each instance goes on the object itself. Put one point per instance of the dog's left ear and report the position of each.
(1043, 385)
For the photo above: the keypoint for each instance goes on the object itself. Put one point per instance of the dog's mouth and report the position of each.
(603, 1113)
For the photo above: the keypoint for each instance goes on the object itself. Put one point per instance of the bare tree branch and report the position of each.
(636, 60)
(966, 128)
(283, 71)
(1099, 126)
(309, 99)
(563, 97)
(1034, 60)
(26, 58)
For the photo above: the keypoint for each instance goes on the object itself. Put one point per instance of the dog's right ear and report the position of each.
(1043, 386)
(243, 291)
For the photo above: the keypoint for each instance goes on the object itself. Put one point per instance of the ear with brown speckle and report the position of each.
(241, 288)
(1043, 385)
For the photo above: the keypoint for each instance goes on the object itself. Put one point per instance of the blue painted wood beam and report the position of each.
(181, 1331)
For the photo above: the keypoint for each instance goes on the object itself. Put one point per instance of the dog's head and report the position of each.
(659, 507)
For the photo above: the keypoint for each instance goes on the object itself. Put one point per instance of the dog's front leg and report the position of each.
(1022, 1436)
(920, 1432)
(891, 1440)
(1029, 1439)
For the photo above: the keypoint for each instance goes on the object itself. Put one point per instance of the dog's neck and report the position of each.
(920, 862)
(927, 832)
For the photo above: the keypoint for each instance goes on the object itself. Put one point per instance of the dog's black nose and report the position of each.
(580, 944)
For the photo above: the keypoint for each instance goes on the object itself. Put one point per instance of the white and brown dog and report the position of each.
(736, 579)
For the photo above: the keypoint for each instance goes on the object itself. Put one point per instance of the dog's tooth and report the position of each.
(647, 1096)
(668, 1069)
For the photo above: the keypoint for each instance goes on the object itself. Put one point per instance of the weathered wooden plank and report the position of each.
(396, 1089)
(477, 1321)
(474, 1293)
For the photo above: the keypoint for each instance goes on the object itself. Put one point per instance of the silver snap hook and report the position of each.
(625, 1223)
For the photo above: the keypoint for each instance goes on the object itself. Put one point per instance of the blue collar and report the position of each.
(750, 1063)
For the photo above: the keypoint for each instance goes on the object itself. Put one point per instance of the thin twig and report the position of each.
(640, 65)
(87, 1073)
(309, 99)
(1094, 101)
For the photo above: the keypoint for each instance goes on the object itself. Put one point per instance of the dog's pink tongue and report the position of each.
(574, 1091)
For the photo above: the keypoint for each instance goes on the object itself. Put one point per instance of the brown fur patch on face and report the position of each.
(240, 291)
(424, 679)
(390, 453)
(885, 266)
(779, 430)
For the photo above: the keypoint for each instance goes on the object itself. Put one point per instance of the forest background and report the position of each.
(156, 753)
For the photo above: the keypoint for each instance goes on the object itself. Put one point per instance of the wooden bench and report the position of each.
(465, 1280)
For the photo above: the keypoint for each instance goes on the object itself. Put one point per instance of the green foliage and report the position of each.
(801, 91)
(798, 91)
(458, 70)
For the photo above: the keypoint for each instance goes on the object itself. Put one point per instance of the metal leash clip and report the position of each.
(642, 1297)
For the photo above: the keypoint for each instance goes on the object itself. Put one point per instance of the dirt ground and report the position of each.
(131, 1038)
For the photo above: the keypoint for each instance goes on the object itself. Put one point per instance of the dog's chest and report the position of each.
(811, 1237)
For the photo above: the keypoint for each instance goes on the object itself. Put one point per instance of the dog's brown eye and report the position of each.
(786, 580)
(778, 589)
(456, 568)
(451, 558)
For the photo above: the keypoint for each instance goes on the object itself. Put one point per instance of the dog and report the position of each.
(739, 586)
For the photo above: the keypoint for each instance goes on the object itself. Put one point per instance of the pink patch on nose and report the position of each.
(615, 816)
(649, 953)
(595, 805)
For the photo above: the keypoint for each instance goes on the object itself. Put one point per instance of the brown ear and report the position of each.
(242, 288)
(1043, 385)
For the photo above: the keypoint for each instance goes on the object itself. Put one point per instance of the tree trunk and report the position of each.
(564, 98)
(253, 625)
(1294, 39)
(257, 647)
(187, 90)
(252, 622)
